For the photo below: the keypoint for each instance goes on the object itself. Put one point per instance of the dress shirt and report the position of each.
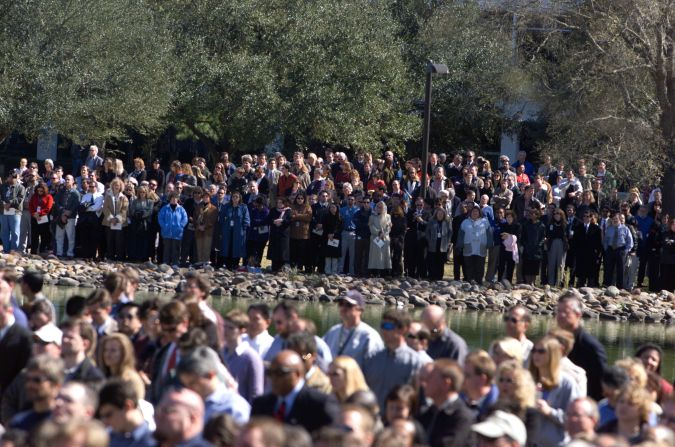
(260, 343)
(224, 400)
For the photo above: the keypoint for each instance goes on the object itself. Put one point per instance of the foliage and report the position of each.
(468, 103)
(90, 69)
(607, 74)
(314, 70)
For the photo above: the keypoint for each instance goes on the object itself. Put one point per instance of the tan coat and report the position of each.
(301, 216)
(120, 208)
(205, 216)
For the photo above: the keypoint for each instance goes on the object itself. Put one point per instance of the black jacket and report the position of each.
(15, 350)
(589, 354)
(451, 427)
(311, 409)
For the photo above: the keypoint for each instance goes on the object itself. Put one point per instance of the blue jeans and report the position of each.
(11, 230)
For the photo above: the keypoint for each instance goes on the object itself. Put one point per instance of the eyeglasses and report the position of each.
(278, 372)
(413, 336)
(508, 319)
(538, 351)
(387, 326)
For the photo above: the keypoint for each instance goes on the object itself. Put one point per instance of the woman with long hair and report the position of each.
(119, 170)
(234, 221)
(279, 221)
(533, 239)
(633, 408)
(107, 171)
(438, 237)
(346, 377)
(399, 225)
(557, 244)
(40, 206)
(556, 391)
(517, 394)
(301, 216)
(140, 213)
(379, 256)
(115, 208)
(331, 225)
(117, 359)
(139, 172)
(205, 219)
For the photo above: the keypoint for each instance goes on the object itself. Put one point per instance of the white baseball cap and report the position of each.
(501, 423)
(49, 333)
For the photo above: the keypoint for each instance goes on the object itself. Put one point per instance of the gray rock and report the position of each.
(612, 291)
(68, 282)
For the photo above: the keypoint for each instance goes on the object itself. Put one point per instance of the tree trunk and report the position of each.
(669, 183)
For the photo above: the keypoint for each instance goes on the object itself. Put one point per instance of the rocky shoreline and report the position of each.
(608, 304)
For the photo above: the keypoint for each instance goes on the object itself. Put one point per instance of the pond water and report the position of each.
(478, 328)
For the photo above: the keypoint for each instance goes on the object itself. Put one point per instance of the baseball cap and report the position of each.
(501, 423)
(353, 297)
(49, 333)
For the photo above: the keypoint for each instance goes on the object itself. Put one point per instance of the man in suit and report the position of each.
(174, 321)
(448, 421)
(79, 338)
(292, 402)
(16, 342)
(587, 352)
(587, 244)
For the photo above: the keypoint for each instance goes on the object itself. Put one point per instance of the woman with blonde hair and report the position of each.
(115, 208)
(506, 349)
(346, 377)
(555, 388)
(116, 358)
(119, 170)
(633, 410)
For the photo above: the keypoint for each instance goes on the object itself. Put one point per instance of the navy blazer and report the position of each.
(15, 349)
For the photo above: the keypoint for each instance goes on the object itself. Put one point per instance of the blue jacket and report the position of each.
(259, 230)
(172, 222)
(234, 223)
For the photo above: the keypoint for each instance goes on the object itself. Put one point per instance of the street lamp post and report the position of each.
(430, 70)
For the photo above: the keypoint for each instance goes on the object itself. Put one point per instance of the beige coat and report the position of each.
(119, 208)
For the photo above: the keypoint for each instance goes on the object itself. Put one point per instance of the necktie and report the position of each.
(280, 414)
(615, 239)
(171, 364)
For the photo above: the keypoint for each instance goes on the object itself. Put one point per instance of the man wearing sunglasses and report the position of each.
(397, 363)
(444, 342)
(517, 322)
(290, 400)
(353, 337)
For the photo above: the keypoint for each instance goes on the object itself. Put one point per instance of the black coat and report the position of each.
(533, 237)
(451, 427)
(311, 409)
(331, 224)
(589, 354)
(15, 350)
(587, 245)
(280, 236)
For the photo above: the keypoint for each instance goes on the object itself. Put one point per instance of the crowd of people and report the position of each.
(177, 373)
(361, 216)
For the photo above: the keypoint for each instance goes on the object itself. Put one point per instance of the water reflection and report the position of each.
(478, 328)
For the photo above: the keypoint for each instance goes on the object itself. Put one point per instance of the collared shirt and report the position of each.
(324, 356)
(289, 399)
(141, 436)
(93, 202)
(260, 343)
(10, 322)
(624, 239)
(247, 368)
(388, 368)
(359, 343)
(223, 400)
(449, 345)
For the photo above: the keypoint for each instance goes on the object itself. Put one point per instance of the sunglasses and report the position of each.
(387, 326)
(513, 320)
(539, 351)
(413, 336)
(278, 372)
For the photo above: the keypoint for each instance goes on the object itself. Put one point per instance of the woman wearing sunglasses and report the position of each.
(555, 391)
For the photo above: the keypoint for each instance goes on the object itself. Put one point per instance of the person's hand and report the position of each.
(64, 219)
(504, 236)
(319, 226)
(201, 227)
(330, 237)
(543, 407)
(7, 206)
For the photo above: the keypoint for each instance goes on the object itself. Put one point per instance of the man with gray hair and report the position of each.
(198, 371)
(588, 352)
(581, 419)
(74, 402)
(93, 160)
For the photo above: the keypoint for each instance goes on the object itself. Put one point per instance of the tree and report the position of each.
(88, 69)
(608, 78)
(313, 70)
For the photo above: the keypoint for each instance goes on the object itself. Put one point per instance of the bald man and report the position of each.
(180, 419)
(444, 342)
(290, 401)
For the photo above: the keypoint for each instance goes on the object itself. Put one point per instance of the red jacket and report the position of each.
(44, 202)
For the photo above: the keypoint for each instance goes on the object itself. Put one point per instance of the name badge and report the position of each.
(232, 223)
